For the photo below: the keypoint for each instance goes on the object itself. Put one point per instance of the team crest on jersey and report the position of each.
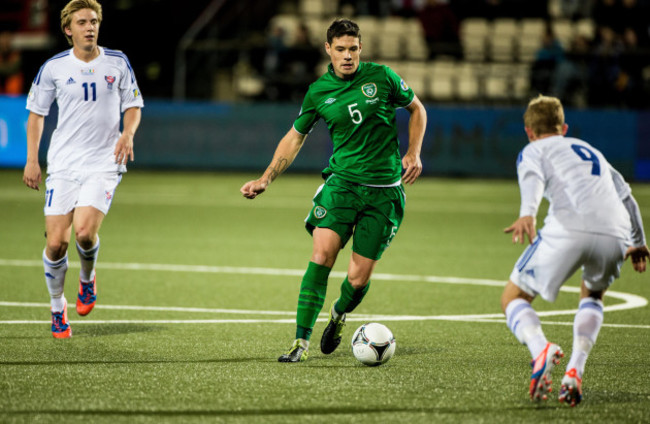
(320, 212)
(403, 85)
(87, 71)
(370, 89)
(110, 80)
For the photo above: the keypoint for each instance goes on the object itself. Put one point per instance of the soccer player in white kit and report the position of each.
(593, 222)
(92, 86)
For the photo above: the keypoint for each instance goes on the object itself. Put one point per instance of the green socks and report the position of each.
(311, 298)
(350, 297)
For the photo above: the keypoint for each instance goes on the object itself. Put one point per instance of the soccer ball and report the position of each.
(373, 344)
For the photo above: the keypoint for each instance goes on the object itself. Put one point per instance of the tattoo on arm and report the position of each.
(276, 169)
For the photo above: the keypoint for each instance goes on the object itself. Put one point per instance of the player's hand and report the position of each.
(32, 175)
(412, 168)
(639, 257)
(124, 149)
(522, 227)
(251, 189)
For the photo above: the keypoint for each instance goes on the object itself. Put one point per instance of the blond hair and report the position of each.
(75, 6)
(544, 115)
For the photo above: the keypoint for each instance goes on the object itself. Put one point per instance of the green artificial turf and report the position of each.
(197, 289)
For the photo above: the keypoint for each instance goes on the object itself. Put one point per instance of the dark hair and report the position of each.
(341, 27)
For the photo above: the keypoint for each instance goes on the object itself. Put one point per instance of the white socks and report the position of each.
(55, 273)
(55, 278)
(525, 325)
(88, 259)
(586, 327)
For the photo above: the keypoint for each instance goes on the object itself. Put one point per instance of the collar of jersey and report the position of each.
(330, 69)
(101, 55)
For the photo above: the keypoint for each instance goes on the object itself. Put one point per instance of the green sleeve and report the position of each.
(401, 94)
(307, 117)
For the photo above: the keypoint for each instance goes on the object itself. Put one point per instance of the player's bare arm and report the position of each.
(411, 161)
(284, 155)
(32, 173)
(639, 257)
(524, 226)
(124, 147)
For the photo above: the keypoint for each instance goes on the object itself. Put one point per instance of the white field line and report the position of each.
(630, 301)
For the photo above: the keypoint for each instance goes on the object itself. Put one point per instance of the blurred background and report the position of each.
(223, 79)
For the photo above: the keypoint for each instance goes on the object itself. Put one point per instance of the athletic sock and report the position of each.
(350, 298)
(88, 259)
(525, 325)
(586, 327)
(304, 343)
(55, 279)
(311, 299)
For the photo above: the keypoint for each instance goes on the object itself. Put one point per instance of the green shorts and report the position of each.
(371, 215)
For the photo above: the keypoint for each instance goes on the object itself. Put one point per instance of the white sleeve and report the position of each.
(625, 194)
(622, 187)
(638, 235)
(42, 93)
(129, 92)
(531, 181)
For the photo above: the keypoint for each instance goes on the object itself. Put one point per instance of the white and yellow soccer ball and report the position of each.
(373, 344)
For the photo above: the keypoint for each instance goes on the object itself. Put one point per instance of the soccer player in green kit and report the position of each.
(362, 197)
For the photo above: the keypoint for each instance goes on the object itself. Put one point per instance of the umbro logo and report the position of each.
(330, 101)
(71, 81)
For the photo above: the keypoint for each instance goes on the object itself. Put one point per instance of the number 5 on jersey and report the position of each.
(355, 113)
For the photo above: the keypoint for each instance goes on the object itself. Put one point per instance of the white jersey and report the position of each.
(585, 193)
(91, 97)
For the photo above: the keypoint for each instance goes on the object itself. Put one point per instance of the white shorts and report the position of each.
(551, 260)
(68, 190)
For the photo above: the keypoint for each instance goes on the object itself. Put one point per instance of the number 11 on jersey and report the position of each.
(93, 87)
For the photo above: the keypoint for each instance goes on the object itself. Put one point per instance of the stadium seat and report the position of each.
(564, 31)
(521, 82)
(312, 8)
(473, 35)
(468, 77)
(289, 23)
(498, 82)
(530, 38)
(586, 28)
(416, 75)
(440, 84)
(504, 33)
(390, 47)
(317, 28)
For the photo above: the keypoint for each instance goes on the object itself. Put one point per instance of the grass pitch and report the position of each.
(197, 289)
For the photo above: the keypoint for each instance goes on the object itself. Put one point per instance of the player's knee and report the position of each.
(358, 282)
(56, 249)
(323, 258)
(84, 238)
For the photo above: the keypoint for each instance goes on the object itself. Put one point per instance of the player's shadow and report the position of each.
(250, 414)
(134, 361)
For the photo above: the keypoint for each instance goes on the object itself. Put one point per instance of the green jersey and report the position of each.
(360, 115)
